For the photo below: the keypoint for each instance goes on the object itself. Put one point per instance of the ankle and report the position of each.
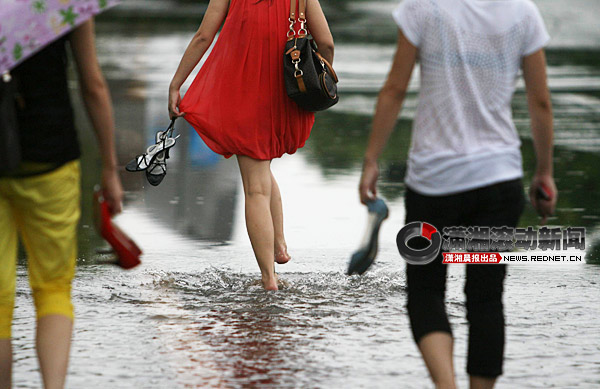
(269, 282)
(280, 243)
(445, 384)
(268, 276)
(270, 286)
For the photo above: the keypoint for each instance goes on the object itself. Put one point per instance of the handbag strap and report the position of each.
(301, 17)
(292, 10)
(302, 11)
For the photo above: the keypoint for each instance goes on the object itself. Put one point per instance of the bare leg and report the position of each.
(481, 382)
(53, 342)
(5, 364)
(281, 254)
(436, 349)
(256, 177)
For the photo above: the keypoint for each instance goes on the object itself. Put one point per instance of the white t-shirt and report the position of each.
(470, 53)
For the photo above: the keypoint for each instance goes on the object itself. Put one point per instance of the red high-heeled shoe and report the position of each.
(126, 253)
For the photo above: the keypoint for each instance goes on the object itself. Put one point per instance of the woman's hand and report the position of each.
(368, 181)
(174, 101)
(543, 207)
(112, 190)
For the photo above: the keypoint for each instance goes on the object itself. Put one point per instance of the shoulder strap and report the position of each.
(301, 18)
(302, 10)
(292, 10)
(302, 13)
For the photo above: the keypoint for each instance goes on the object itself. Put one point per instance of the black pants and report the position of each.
(493, 206)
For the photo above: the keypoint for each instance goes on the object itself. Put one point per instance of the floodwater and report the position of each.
(194, 315)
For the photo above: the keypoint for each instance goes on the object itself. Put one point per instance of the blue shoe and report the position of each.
(363, 258)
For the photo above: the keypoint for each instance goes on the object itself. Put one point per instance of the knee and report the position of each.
(485, 306)
(483, 296)
(484, 287)
(423, 305)
(427, 313)
(7, 303)
(276, 195)
(258, 188)
(6, 315)
(53, 300)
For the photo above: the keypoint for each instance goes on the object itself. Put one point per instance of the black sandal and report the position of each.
(157, 170)
(164, 142)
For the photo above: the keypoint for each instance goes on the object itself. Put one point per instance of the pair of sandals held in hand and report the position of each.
(154, 160)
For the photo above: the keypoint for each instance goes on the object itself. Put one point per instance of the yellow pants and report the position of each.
(44, 210)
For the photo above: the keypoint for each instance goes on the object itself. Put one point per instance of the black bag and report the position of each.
(10, 149)
(309, 79)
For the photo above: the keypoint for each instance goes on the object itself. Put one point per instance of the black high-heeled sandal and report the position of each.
(163, 143)
(157, 170)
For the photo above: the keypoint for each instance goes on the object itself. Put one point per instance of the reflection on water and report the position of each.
(194, 314)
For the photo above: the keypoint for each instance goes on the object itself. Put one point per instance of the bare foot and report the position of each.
(281, 254)
(270, 284)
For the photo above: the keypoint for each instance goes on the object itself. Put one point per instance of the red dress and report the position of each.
(238, 103)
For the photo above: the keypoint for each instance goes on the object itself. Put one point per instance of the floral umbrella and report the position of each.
(26, 26)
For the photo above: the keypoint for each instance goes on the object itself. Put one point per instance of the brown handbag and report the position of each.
(309, 79)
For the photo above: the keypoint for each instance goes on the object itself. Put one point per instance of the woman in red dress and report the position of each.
(239, 106)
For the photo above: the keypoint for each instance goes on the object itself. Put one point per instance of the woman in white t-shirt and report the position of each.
(465, 165)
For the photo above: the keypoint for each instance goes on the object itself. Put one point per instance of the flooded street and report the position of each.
(194, 314)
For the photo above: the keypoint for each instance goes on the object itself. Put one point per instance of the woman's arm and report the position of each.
(215, 14)
(319, 29)
(96, 98)
(540, 110)
(389, 103)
